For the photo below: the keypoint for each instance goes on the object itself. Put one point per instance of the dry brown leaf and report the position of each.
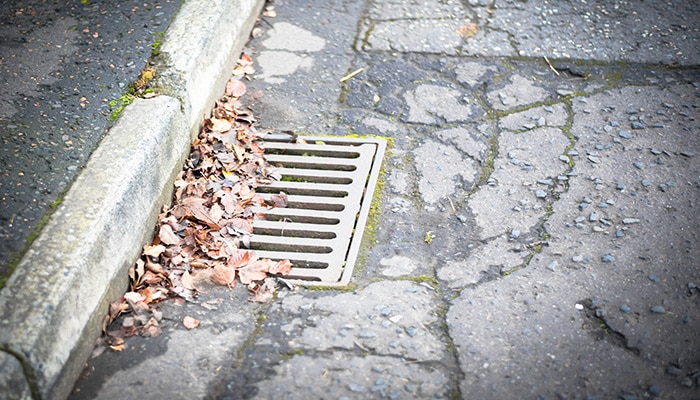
(153, 251)
(190, 323)
(216, 213)
(245, 59)
(224, 276)
(235, 88)
(262, 293)
(281, 267)
(151, 328)
(195, 209)
(136, 273)
(254, 271)
(187, 281)
(240, 259)
(220, 125)
(167, 236)
(117, 344)
(280, 200)
(133, 298)
(468, 30)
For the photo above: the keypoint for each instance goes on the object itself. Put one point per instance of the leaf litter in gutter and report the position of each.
(211, 217)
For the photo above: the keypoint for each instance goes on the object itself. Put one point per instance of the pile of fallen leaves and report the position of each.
(199, 237)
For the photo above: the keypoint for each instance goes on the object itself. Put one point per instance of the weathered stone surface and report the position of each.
(442, 170)
(523, 159)
(346, 319)
(343, 376)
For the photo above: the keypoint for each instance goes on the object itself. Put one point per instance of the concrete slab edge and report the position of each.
(52, 306)
(195, 67)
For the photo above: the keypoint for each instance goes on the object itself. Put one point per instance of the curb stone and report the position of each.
(52, 306)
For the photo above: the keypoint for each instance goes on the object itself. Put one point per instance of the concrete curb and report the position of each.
(52, 306)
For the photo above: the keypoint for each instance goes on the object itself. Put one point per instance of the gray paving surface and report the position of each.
(61, 65)
(561, 194)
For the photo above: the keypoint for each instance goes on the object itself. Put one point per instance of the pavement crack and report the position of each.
(596, 325)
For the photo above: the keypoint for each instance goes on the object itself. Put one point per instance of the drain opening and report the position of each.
(330, 183)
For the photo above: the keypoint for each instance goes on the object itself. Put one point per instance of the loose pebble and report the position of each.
(625, 309)
(565, 92)
(638, 164)
(356, 388)
(625, 135)
(628, 221)
(654, 389)
(607, 258)
(658, 310)
(552, 266)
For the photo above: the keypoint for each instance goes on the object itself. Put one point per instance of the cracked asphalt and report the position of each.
(552, 154)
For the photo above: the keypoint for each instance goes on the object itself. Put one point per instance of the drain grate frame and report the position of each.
(330, 183)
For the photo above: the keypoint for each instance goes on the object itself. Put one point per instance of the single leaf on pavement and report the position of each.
(151, 328)
(187, 281)
(262, 293)
(235, 88)
(190, 323)
(468, 30)
(224, 276)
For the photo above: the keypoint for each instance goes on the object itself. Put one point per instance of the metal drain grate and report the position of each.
(329, 183)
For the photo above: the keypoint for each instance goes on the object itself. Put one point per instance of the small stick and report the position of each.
(350, 75)
(550, 66)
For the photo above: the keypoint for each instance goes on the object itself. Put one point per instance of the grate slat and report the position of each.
(329, 183)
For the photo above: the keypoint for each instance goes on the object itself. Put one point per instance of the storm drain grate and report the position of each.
(329, 183)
